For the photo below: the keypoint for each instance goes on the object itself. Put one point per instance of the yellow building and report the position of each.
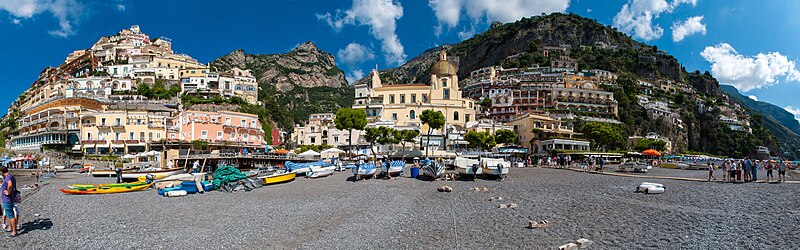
(120, 132)
(543, 134)
(402, 104)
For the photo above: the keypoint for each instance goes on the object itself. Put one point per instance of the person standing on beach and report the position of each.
(9, 196)
(734, 168)
(754, 170)
(196, 166)
(782, 171)
(725, 166)
(769, 167)
(711, 172)
(747, 165)
(602, 163)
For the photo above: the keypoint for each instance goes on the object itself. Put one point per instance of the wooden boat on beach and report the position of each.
(366, 170)
(495, 167)
(467, 167)
(104, 189)
(394, 168)
(317, 172)
(434, 170)
(157, 174)
(278, 178)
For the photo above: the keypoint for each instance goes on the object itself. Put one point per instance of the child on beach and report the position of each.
(711, 172)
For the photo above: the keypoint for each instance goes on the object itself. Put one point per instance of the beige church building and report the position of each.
(400, 105)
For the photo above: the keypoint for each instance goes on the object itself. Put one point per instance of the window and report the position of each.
(239, 87)
(204, 134)
(446, 94)
(413, 98)
(335, 139)
(251, 88)
(444, 82)
(394, 116)
(391, 99)
(243, 122)
(102, 121)
(131, 136)
(466, 118)
(402, 98)
(246, 137)
(118, 121)
(412, 114)
(116, 136)
(313, 140)
(158, 135)
(219, 135)
(141, 136)
(150, 136)
(424, 97)
(455, 116)
(227, 121)
(172, 136)
(88, 136)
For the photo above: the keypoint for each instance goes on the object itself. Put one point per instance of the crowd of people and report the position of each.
(746, 170)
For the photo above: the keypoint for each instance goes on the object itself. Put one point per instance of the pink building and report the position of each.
(221, 128)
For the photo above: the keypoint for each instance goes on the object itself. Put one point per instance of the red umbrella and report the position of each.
(651, 152)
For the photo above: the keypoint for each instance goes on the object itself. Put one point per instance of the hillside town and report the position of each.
(553, 131)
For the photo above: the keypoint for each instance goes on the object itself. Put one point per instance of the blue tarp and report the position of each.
(291, 166)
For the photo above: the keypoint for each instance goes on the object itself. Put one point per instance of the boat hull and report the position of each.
(104, 190)
(157, 175)
(320, 172)
(278, 178)
(469, 170)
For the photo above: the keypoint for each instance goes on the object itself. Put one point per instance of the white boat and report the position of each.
(366, 170)
(157, 174)
(302, 171)
(495, 167)
(317, 172)
(394, 168)
(467, 166)
(433, 170)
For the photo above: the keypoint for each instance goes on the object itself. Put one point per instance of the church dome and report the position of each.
(443, 67)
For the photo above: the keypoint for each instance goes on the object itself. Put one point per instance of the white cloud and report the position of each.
(794, 111)
(588, 10)
(448, 12)
(747, 73)
(16, 21)
(354, 76)
(692, 25)
(68, 12)
(755, 98)
(467, 33)
(121, 7)
(354, 54)
(381, 17)
(636, 17)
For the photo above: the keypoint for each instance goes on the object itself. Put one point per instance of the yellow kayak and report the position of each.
(278, 178)
(104, 189)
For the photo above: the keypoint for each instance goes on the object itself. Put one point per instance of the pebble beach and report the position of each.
(335, 213)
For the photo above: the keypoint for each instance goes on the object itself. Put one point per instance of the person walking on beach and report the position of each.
(734, 168)
(769, 167)
(782, 171)
(9, 196)
(602, 163)
(711, 172)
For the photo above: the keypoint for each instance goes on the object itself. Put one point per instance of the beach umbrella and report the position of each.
(651, 152)
(310, 153)
(282, 151)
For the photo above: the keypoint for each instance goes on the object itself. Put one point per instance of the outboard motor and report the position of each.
(148, 178)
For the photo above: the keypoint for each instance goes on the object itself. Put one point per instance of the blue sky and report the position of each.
(750, 44)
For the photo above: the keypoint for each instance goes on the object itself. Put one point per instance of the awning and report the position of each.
(513, 150)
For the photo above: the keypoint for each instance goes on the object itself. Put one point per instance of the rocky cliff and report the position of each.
(295, 84)
(305, 66)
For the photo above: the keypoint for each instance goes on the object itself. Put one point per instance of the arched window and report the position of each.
(455, 116)
(412, 114)
(239, 87)
(251, 88)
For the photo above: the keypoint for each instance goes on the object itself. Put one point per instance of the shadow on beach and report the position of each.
(37, 224)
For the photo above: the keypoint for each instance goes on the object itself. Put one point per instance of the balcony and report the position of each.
(93, 141)
(117, 125)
